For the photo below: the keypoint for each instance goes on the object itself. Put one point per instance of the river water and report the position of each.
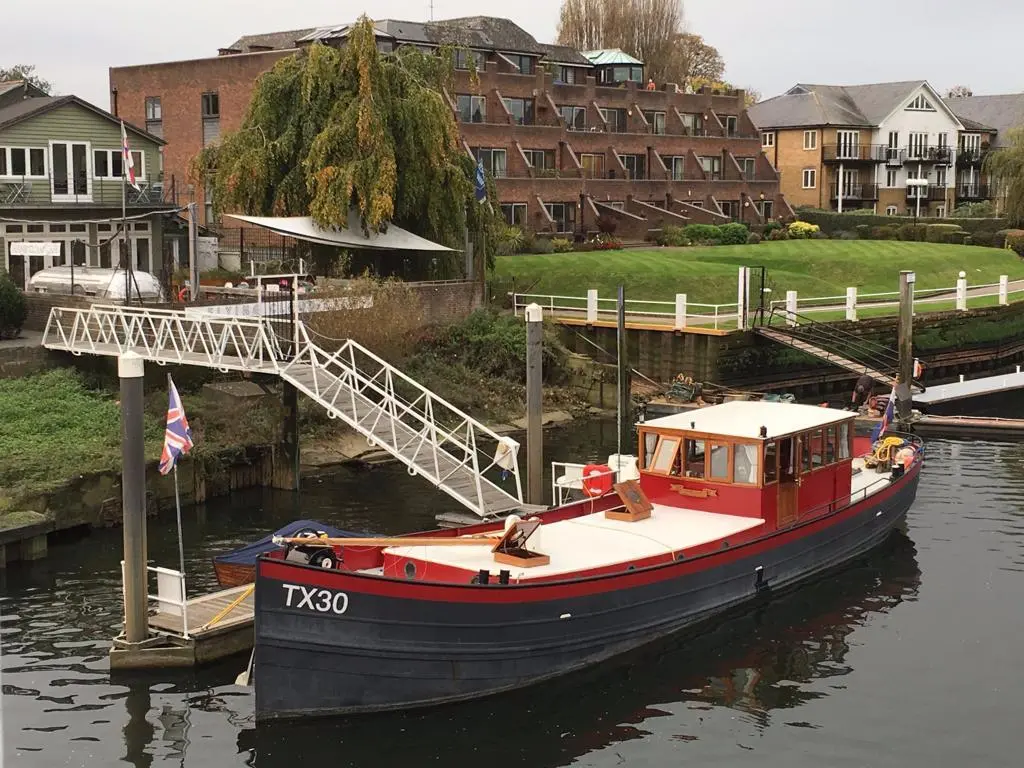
(910, 657)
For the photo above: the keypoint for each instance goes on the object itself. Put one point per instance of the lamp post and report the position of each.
(918, 185)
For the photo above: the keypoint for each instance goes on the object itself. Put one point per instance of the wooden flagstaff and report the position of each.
(396, 541)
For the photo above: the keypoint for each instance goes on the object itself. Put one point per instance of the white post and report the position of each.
(920, 175)
(592, 306)
(851, 303)
(742, 297)
(680, 311)
(961, 292)
(1004, 290)
(790, 307)
(839, 187)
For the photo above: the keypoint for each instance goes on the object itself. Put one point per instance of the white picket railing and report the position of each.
(674, 314)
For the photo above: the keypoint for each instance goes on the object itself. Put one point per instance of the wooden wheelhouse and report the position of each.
(774, 461)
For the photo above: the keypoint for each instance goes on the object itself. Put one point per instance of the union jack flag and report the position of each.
(128, 163)
(177, 436)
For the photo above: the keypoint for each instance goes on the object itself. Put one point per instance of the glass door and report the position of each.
(848, 145)
(70, 176)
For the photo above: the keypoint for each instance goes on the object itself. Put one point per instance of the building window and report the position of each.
(944, 140)
(593, 166)
(541, 159)
(23, 162)
(463, 57)
(732, 124)
(211, 118)
(712, 166)
(575, 117)
(766, 208)
(970, 142)
(523, 63)
(810, 178)
(493, 161)
(891, 210)
(521, 109)
(940, 177)
(565, 75)
(657, 122)
(616, 119)
(810, 139)
(617, 75)
(693, 124)
(472, 109)
(890, 179)
(677, 165)
(918, 147)
(940, 211)
(564, 215)
(748, 166)
(636, 166)
(106, 164)
(768, 139)
(920, 104)
(208, 204)
(730, 208)
(154, 116)
(515, 214)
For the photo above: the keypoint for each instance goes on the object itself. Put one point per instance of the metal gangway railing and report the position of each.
(432, 437)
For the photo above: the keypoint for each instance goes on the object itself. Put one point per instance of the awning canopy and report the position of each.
(303, 228)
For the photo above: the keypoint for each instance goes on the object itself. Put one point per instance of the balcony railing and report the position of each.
(28, 191)
(852, 153)
(894, 156)
(972, 192)
(968, 157)
(930, 194)
(856, 191)
(929, 155)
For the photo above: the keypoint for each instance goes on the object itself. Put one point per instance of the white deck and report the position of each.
(593, 541)
(866, 483)
(745, 418)
(944, 393)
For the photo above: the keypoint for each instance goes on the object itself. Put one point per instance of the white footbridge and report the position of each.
(431, 437)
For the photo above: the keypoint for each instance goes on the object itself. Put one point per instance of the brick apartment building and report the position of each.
(568, 135)
(897, 148)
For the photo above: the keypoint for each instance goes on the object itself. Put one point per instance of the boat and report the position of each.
(238, 566)
(721, 505)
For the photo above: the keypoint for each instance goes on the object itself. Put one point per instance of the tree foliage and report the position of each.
(27, 73)
(651, 30)
(1005, 167)
(331, 130)
(959, 92)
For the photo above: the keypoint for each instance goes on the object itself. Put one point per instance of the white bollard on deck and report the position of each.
(592, 305)
(1004, 290)
(680, 311)
(961, 292)
(851, 303)
(790, 307)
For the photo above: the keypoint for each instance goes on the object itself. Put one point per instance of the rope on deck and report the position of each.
(237, 601)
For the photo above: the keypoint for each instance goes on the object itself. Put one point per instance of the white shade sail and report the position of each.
(304, 228)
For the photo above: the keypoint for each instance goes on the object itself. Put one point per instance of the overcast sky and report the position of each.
(767, 44)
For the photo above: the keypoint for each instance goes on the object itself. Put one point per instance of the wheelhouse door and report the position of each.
(789, 481)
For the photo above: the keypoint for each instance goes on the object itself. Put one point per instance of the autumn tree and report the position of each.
(1005, 167)
(959, 92)
(26, 72)
(328, 130)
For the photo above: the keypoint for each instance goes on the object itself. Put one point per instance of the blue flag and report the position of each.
(481, 183)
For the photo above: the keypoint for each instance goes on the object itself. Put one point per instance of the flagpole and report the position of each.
(181, 545)
(124, 221)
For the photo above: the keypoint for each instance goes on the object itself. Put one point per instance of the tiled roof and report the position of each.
(1002, 113)
(23, 110)
(610, 56)
(563, 54)
(272, 40)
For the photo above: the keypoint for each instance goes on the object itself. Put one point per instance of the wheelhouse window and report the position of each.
(719, 465)
(805, 453)
(844, 441)
(817, 446)
(830, 445)
(771, 462)
(694, 459)
(745, 469)
(665, 455)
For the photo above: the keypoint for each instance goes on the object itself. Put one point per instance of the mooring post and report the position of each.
(193, 251)
(851, 303)
(130, 369)
(625, 426)
(905, 337)
(961, 291)
(1004, 290)
(534, 404)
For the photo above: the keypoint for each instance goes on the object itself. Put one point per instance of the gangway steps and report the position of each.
(850, 365)
(430, 436)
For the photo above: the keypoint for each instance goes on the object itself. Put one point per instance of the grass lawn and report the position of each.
(708, 275)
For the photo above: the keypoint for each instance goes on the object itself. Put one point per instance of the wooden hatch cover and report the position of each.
(638, 506)
(511, 548)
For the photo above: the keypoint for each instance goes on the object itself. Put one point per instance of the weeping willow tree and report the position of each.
(1005, 167)
(330, 129)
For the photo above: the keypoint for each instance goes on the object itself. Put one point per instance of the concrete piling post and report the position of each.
(130, 369)
(851, 303)
(905, 338)
(534, 404)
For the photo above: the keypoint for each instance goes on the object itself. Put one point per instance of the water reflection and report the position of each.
(770, 659)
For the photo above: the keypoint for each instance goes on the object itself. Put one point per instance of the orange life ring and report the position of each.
(597, 479)
(182, 293)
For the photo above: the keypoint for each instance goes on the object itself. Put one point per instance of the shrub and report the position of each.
(845, 234)
(605, 243)
(982, 210)
(542, 245)
(819, 235)
(958, 237)
(753, 238)
(703, 233)
(770, 227)
(778, 234)
(561, 244)
(936, 233)
(734, 234)
(913, 232)
(832, 222)
(510, 240)
(12, 307)
(801, 230)
(863, 231)
(673, 236)
(999, 238)
(885, 233)
(1015, 241)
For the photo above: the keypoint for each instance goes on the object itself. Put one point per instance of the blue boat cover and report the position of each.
(248, 554)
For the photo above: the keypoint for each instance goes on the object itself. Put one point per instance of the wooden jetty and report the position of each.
(220, 624)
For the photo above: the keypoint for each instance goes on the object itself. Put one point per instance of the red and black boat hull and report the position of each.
(331, 642)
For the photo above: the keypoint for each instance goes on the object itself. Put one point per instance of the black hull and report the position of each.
(403, 650)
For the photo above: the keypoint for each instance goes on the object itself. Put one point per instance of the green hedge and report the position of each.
(936, 233)
(830, 221)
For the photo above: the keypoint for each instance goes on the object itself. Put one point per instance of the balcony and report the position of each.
(894, 157)
(856, 192)
(854, 153)
(967, 158)
(940, 155)
(50, 192)
(972, 192)
(928, 194)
